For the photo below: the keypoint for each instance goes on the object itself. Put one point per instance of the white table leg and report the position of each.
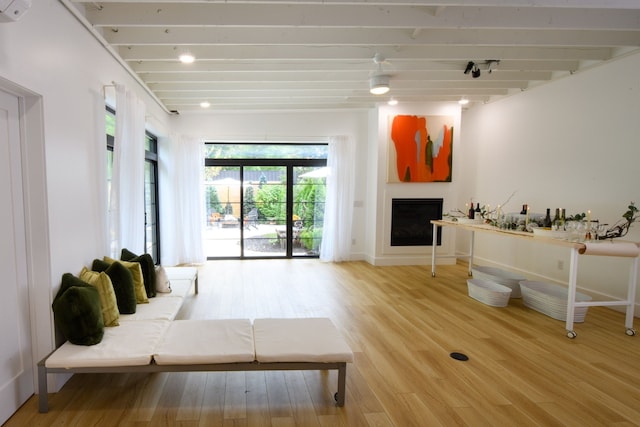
(571, 297)
(434, 244)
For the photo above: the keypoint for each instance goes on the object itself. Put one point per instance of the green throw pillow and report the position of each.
(99, 265)
(122, 281)
(148, 269)
(77, 311)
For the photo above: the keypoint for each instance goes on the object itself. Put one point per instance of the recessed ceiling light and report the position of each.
(186, 58)
(463, 101)
(205, 104)
(392, 102)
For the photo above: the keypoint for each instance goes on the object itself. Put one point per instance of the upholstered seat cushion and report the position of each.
(130, 344)
(206, 342)
(299, 340)
(163, 308)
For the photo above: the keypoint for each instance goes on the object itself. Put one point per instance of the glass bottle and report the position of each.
(547, 220)
(556, 220)
(472, 212)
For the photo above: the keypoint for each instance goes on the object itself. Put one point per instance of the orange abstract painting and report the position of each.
(420, 149)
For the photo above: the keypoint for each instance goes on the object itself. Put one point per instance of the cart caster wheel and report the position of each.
(631, 332)
(433, 274)
(335, 396)
(571, 334)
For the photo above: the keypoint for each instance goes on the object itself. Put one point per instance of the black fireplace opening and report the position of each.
(410, 221)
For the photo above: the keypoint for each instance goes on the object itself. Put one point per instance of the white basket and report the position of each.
(501, 277)
(489, 293)
(551, 299)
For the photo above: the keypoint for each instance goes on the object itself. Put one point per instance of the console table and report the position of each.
(604, 248)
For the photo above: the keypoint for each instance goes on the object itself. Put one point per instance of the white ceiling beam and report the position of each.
(324, 53)
(360, 65)
(318, 93)
(590, 4)
(368, 36)
(336, 16)
(335, 76)
(185, 87)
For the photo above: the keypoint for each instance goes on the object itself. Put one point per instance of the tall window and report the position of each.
(151, 208)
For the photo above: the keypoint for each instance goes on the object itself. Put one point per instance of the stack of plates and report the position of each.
(501, 277)
(551, 299)
(488, 292)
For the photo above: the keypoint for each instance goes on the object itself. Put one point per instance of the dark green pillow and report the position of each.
(122, 281)
(77, 311)
(148, 269)
(99, 265)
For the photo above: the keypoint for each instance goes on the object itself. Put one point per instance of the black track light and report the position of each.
(470, 65)
(476, 72)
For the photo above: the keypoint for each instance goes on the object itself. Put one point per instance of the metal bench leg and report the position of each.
(342, 382)
(43, 396)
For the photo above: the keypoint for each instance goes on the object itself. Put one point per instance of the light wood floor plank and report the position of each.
(402, 324)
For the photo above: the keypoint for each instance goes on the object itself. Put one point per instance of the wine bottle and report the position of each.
(478, 210)
(524, 210)
(472, 212)
(556, 219)
(547, 220)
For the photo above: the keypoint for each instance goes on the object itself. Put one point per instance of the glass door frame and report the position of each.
(289, 164)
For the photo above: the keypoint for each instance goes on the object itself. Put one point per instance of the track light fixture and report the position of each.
(470, 65)
(474, 68)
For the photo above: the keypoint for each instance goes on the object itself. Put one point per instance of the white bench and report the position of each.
(207, 345)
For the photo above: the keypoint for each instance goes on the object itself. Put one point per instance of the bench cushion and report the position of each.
(130, 344)
(299, 340)
(164, 308)
(208, 341)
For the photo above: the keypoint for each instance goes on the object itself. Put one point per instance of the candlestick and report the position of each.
(588, 219)
(526, 220)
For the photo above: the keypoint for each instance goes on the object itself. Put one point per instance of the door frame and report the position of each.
(36, 221)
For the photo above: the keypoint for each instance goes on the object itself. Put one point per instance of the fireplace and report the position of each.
(410, 224)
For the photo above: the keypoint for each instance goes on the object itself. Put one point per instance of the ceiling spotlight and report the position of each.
(379, 84)
(476, 72)
(392, 102)
(205, 104)
(186, 58)
(463, 101)
(470, 65)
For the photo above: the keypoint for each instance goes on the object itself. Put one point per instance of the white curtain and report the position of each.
(338, 211)
(181, 168)
(126, 210)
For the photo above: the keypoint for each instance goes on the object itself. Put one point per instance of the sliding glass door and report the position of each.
(264, 208)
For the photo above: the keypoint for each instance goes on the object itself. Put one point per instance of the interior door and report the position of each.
(16, 367)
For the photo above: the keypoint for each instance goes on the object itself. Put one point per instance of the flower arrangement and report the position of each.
(621, 228)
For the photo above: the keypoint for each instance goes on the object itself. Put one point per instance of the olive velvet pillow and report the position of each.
(122, 282)
(148, 269)
(77, 312)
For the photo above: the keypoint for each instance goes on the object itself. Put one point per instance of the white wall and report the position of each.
(570, 144)
(287, 125)
(50, 59)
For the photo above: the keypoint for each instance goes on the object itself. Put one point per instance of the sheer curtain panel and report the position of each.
(338, 214)
(126, 210)
(181, 169)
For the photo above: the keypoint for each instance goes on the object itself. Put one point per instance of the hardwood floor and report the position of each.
(402, 325)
